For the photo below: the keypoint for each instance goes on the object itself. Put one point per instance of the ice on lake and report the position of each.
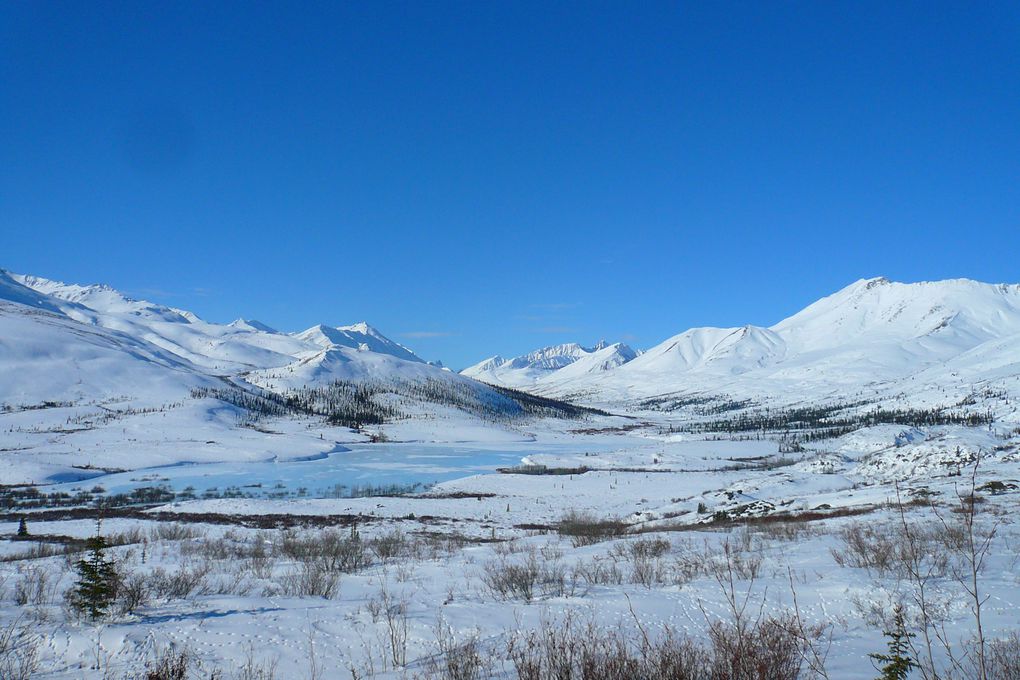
(348, 469)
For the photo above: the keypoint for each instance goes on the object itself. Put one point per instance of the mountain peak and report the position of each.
(567, 359)
(13, 290)
(357, 336)
(874, 282)
(252, 325)
(362, 327)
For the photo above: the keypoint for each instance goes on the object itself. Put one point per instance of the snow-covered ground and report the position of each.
(737, 478)
(244, 597)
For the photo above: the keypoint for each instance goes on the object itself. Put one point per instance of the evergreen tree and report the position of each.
(96, 587)
(22, 528)
(898, 663)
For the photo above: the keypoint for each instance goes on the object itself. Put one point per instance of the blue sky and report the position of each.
(480, 178)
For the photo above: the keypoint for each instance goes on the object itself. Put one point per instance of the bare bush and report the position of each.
(937, 558)
(571, 649)
(255, 669)
(770, 648)
(334, 550)
(394, 611)
(133, 592)
(524, 577)
(645, 548)
(312, 578)
(390, 545)
(584, 528)
(733, 560)
(131, 536)
(258, 560)
(172, 663)
(686, 567)
(598, 571)
(19, 652)
(39, 551)
(34, 587)
(789, 530)
(456, 660)
(174, 531)
(182, 583)
(322, 557)
(1003, 658)
(648, 571)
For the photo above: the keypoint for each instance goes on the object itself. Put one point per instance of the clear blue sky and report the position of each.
(480, 177)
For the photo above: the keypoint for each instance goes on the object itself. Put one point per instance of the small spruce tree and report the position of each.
(96, 587)
(22, 528)
(898, 663)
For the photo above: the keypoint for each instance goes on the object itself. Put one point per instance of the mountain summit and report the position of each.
(872, 332)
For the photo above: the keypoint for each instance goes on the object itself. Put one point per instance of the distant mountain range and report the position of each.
(551, 364)
(70, 344)
(873, 339)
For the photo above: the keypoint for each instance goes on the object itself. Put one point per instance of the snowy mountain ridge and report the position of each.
(72, 343)
(570, 359)
(874, 335)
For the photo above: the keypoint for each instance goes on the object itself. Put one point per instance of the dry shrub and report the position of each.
(733, 561)
(324, 556)
(884, 549)
(772, 648)
(598, 571)
(19, 651)
(336, 551)
(253, 669)
(648, 547)
(390, 545)
(174, 531)
(786, 530)
(133, 592)
(584, 528)
(649, 572)
(313, 578)
(456, 660)
(34, 587)
(572, 649)
(181, 584)
(171, 663)
(258, 560)
(524, 578)
(39, 551)
(1004, 658)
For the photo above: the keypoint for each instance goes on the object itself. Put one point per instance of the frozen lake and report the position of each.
(359, 467)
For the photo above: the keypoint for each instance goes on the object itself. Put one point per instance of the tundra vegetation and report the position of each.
(588, 596)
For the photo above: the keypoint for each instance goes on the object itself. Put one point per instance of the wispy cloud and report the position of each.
(427, 334)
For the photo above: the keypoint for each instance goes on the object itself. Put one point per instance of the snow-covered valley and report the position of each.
(327, 504)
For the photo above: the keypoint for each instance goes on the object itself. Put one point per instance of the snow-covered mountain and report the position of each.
(90, 377)
(67, 342)
(569, 359)
(873, 336)
(239, 346)
(359, 336)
